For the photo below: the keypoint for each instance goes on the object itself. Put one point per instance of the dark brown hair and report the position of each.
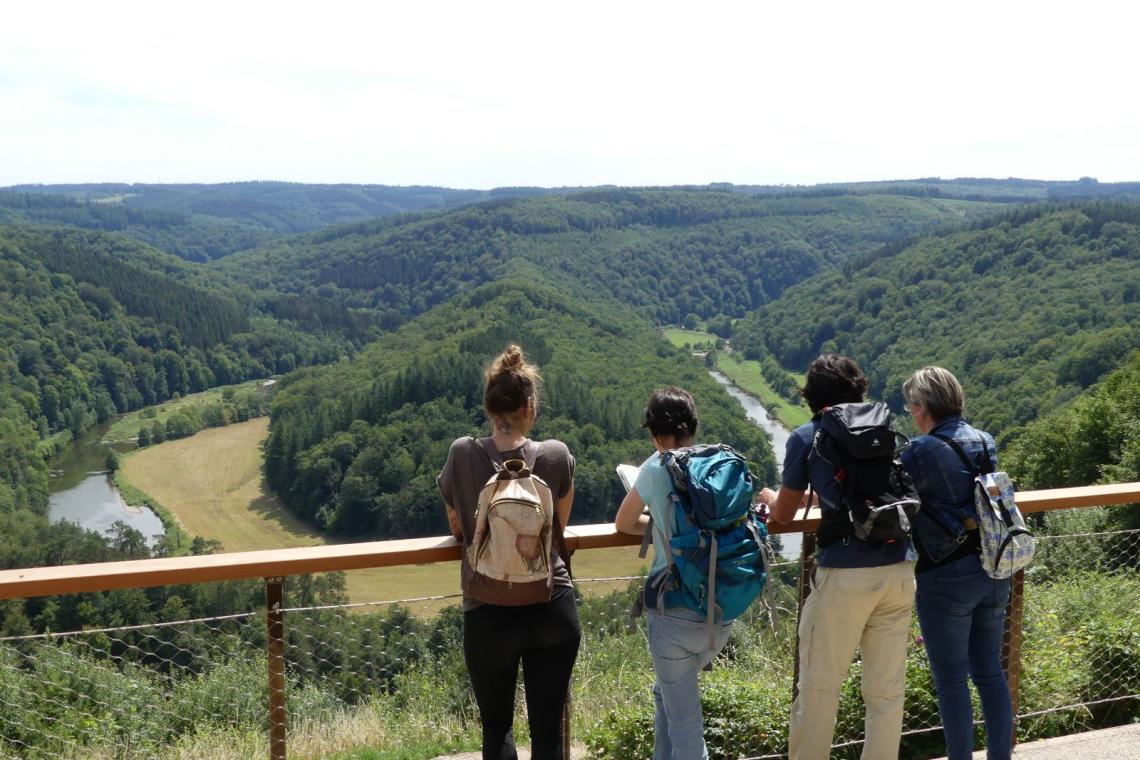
(833, 379)
(511, 384)
(671, 411)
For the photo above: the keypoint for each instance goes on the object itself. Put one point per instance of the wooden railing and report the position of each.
(104, 576)
(273, 565)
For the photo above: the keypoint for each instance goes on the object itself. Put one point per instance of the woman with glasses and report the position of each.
(961, 610)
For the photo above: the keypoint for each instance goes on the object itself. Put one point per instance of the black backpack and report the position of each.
(878, 501)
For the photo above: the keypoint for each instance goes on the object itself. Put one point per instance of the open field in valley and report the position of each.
(212, 483)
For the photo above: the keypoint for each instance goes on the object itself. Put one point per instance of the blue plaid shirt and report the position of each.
(944, 485)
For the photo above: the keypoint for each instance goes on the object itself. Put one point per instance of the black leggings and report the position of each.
(545, 638)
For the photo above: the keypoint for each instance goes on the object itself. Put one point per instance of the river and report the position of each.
(779, 435)
(82, 490)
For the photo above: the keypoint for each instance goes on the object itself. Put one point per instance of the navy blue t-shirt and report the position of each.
(799, 472)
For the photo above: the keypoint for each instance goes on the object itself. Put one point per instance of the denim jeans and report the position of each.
(679, 646)
(962, 611)
(544, 638)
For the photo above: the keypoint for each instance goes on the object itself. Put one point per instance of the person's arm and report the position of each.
(784, 503)
(444, 482)
(563, 506)
(453, 523)
(631, 517)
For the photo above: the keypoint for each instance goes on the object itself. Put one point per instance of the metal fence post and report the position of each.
(807, 559)
(275, 621)
(1011, 643)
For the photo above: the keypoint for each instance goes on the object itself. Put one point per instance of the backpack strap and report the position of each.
(971, 467)
(486, 446)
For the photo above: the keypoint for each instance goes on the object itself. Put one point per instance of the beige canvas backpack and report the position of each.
(510, 555)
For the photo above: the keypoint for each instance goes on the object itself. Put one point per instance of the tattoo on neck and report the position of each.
(504, 426)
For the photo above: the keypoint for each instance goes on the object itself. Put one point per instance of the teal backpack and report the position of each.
(718, 554)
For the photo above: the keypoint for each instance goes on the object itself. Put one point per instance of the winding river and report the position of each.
(779, 435)
(82, 491)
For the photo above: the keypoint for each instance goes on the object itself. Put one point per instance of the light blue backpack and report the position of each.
(1007, 545)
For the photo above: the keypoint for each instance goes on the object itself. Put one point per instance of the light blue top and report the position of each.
(654, 486)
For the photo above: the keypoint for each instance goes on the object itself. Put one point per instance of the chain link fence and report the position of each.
(391, 675)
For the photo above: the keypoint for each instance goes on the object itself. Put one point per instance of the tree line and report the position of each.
(1027, 311)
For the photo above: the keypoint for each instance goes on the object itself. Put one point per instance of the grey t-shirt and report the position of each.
(467, 470)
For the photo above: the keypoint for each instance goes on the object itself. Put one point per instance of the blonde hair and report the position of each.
(511, 386)
(936, 389)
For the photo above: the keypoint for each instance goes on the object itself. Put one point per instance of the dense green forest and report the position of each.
(356, 447)
(92, 327)
(203, 222)
(1092, 440)
(669, 253)
(1027, 310)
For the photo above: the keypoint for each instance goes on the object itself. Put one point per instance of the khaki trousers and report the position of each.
(869, 608)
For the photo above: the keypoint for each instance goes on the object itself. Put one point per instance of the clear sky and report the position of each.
(484, 93)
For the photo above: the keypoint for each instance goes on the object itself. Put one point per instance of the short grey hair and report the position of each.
(936, 389)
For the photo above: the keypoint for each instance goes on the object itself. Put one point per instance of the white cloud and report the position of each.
(485, 94)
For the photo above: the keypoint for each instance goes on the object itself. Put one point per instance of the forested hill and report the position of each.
(93, 325)
(356, 447)
(669, 253)
(203, 222)
(1027, 310)
(1092, 440)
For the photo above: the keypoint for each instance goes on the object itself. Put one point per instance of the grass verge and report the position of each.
(747, 376)
(126, 428)
(697, 340)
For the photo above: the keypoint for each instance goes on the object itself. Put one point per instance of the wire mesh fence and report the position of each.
(391, 674)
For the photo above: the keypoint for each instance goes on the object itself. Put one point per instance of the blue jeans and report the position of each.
(679, 646)
(962, 611)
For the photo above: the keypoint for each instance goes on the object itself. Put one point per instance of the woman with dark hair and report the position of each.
(678, 637)
(861, 595)
(543, 636)
(961, 610)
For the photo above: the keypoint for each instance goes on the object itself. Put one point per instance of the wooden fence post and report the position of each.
(807, 559)
(1011, 643)
(275, 620)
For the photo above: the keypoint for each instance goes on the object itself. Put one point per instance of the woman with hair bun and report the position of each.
(678, 637)
(543, 637)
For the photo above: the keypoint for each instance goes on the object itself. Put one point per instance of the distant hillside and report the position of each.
(355, 447)
(1027, 310)
(203, 222)
(669, 253)
(1010, 190)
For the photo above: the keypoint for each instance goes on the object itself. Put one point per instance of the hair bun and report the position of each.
(511, 358)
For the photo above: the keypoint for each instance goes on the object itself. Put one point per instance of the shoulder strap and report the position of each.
(970, 466)
(495, 460)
